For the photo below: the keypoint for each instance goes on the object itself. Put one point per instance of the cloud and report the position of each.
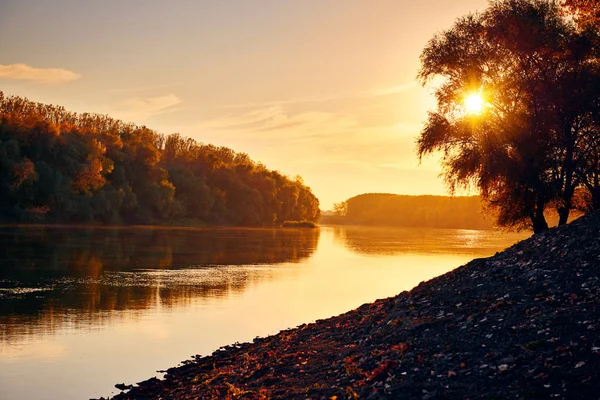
(299, 100)
(245, 120)
(24, 72)
(314, 136)
(143, 107)
(403, 87)
(275, 122)
(304, 124)
(363, 94)
(147, 88)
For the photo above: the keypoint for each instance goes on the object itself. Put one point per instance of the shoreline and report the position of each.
(522, 324)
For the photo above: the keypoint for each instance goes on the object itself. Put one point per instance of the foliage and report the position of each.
(62, 166)
(535, 142)
(586, 12)
(382, 209)
(340, 209)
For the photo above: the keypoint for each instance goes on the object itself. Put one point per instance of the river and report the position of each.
(82, 309)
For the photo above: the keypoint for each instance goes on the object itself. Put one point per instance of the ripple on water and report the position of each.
(22, 291)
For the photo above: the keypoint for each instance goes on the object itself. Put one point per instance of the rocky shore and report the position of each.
(523, 324)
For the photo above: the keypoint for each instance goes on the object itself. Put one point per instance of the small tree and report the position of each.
(340, 209)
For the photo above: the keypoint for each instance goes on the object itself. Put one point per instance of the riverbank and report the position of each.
(521, 324)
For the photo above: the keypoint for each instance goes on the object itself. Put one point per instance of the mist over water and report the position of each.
(84, 308)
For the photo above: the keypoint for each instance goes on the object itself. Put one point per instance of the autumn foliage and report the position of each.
(586, 12)
(61, 166)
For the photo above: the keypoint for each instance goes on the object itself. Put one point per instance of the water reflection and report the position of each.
(384, 241)
(52, 276)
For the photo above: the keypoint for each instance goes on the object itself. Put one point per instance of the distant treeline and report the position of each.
(61, 166)
(411, 211)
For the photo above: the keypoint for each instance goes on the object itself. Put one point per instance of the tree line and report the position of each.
(62, 166)
(427, 211)
(535, 144)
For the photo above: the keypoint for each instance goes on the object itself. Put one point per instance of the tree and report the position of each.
(530, 69)
(340, 209)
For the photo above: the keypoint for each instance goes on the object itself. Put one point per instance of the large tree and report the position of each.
(515, 103)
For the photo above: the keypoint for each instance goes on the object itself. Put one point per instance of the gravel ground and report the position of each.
(523, 324)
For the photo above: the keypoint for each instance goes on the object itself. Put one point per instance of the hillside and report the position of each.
(428, 211)
(522, 324)
(61, 166)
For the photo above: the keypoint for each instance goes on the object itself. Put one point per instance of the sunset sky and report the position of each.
(321, 89)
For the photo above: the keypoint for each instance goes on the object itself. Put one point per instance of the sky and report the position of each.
(324, 89)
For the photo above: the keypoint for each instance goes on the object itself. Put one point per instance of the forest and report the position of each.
(67, 167)
(427, 211)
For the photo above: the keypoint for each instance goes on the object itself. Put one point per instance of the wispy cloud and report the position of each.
(298, 100)
(25, 72)
(248, 119)
(314, 136)
(403, 87)
(385, 91)
(147, 88)
(269, 122)
(143, 107)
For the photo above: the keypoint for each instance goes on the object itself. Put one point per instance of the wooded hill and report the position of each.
(411, 211)
(61, 166)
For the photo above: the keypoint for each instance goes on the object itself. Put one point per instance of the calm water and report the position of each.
(82, 309)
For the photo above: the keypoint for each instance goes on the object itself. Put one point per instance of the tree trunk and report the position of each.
(595, 199)
(539, 221)
(539, 224)
(563, 215)
(569, 186)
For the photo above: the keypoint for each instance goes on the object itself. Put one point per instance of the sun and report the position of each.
(473, 104)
